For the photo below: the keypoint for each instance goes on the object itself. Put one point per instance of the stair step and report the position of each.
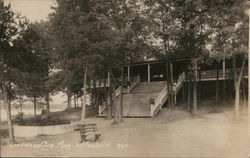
(136, 112)
(136, 108)
(152, 87)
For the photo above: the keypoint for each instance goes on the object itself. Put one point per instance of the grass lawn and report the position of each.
(172, 133)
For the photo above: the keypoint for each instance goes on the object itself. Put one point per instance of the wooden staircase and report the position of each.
(137, 103)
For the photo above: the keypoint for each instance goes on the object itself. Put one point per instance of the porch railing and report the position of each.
(212, 74)
(99, 83)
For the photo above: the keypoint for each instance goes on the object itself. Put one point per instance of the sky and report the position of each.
(34, 10)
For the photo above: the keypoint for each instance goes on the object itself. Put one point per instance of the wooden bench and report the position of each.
(86, 129)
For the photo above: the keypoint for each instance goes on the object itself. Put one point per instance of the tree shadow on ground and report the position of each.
(180, 112)
(172, 115)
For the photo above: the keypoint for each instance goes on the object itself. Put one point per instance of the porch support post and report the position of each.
(171, 73)
(128, 73)
(108, 79)
(171, 84)
(148, 72)
(175, 100)
(224, 77)
(224, 68)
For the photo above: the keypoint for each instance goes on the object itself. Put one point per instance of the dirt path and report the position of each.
(173, 133)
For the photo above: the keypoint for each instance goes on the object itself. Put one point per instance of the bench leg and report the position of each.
(83, 138)
(97, 136)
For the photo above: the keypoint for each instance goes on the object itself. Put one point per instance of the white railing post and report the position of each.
(100, 110)
(152, 110)
(158, 101)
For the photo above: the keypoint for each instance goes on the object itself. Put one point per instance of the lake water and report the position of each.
(58, 102)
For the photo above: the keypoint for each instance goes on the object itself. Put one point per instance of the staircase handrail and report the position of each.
(180, 80)
(118, 91)
(158, 101)
(134, 83)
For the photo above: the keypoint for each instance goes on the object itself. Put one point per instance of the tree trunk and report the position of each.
(7, 105)
(217, 85)
(111, 106)
(10, 125)
(75, 100)
(94, 92)
(35, 106)
(114, 99)
(237, 82)
(195, 89)
(84, 94)
(243, 101)
(97, 93)
(168, 85)
(200, 88)
(245, 95)
(166, 48)
(47, 102)
(224, 79)
(236, 88)
(81, 100)
(114, 105)
(105, 98)
(21, 106)
(45, 82)
(99, 101)
(237, 102)
(171, 84)
(121, 97)
(92, 95)
(110, 95)
(189, 91)
(97, 96)
(69, 100)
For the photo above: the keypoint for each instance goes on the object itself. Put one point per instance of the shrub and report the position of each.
(18, 117)
(45, 114)
(39, 121)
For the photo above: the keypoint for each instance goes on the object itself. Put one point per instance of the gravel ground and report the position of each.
(172, 133)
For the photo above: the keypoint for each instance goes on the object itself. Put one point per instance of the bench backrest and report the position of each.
(87, 127)
(84, 125)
